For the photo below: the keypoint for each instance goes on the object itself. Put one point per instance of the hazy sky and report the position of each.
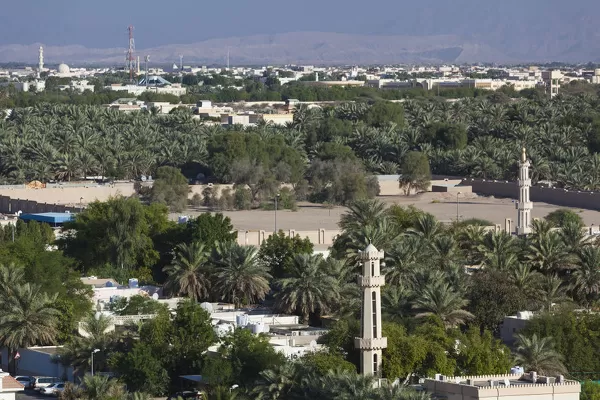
(104, 23)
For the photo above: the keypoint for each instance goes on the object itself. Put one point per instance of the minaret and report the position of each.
(40, 61)
(371, 342)
(524, 206)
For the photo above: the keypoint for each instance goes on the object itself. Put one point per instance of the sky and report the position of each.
(103, 24)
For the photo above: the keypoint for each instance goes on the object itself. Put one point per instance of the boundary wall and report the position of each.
(317, 237)
(11, 206)
(560, 197)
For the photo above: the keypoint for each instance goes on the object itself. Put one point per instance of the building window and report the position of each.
(372, 268)
(375, 363)
(374, 309)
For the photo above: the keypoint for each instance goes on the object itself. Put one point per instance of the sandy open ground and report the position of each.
(441, 205)
(312, 216)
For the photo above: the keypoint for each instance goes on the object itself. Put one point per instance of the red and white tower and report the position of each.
(130, 58)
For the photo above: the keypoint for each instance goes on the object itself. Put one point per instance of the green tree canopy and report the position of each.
(415, 172)
(563, 216)
(279, 251)
(170, 187)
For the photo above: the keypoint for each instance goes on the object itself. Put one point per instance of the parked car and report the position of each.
(53, 390)
(41, 382)
(26, 381)
(187, 395)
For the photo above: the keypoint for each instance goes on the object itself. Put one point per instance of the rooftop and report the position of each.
(52, 218)
(10, 384)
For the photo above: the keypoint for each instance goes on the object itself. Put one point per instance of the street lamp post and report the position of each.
(233, 387)
(80, 204)
(94, 352)
(276, 199)
(457, 204)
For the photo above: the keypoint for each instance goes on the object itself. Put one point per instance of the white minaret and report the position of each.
(524, 206)
(41, 61)
(371, 342)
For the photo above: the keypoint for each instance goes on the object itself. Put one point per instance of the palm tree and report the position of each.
(573, 236)
(361, 213)
(550, 254)
(10, 278)
(469, 238)
(403, 258)
(308, 288)
(276, 383)
(586, 279)
(189, 272)
(552, 290)
(438, 298)
(101, 387)
(399, 392)
(395, 303)
(95, 335)
(349, 299)
(347, 385)
(525, 279)
(498, 251)
(27, 318)
(239, 276)
(426, 227)
(537, 354)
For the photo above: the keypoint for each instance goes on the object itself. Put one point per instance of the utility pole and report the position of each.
(94, 352)
(457, 203)
(276, 199)
(146, 60)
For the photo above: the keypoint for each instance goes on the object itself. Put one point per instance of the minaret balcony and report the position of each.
(370, 343)
(524, 182)
(371, 281)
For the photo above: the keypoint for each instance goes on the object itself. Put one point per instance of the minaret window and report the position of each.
(374, 308)
(372, 268)
(375, 364)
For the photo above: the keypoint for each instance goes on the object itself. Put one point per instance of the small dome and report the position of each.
(206, 306)
(63, 69)
(371, 249)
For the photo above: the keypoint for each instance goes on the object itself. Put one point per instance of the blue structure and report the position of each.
(52, 218)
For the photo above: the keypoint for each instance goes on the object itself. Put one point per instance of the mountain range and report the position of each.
(333, 32)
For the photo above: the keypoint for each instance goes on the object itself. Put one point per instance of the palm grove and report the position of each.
(472, 137)
(430, 305)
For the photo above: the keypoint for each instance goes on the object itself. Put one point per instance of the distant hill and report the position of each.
(297, 47)
(335, 48)
(370, 32)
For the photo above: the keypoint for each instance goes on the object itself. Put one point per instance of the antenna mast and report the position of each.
(130, 53)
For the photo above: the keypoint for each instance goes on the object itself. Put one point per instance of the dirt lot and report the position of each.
(441, 205)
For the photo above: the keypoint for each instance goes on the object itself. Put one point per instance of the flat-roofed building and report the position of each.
(528, 386)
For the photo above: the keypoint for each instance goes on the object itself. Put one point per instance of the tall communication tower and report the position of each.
(130, 59)
(181, 62)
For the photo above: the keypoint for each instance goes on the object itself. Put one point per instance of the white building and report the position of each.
(33, 86)
(528, 386)
(155, 83)
(107, 290)
(512, 324)
(8, 386)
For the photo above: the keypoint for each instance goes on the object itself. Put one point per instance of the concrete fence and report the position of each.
(257, 237)
(559, 197)
(11, 206)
